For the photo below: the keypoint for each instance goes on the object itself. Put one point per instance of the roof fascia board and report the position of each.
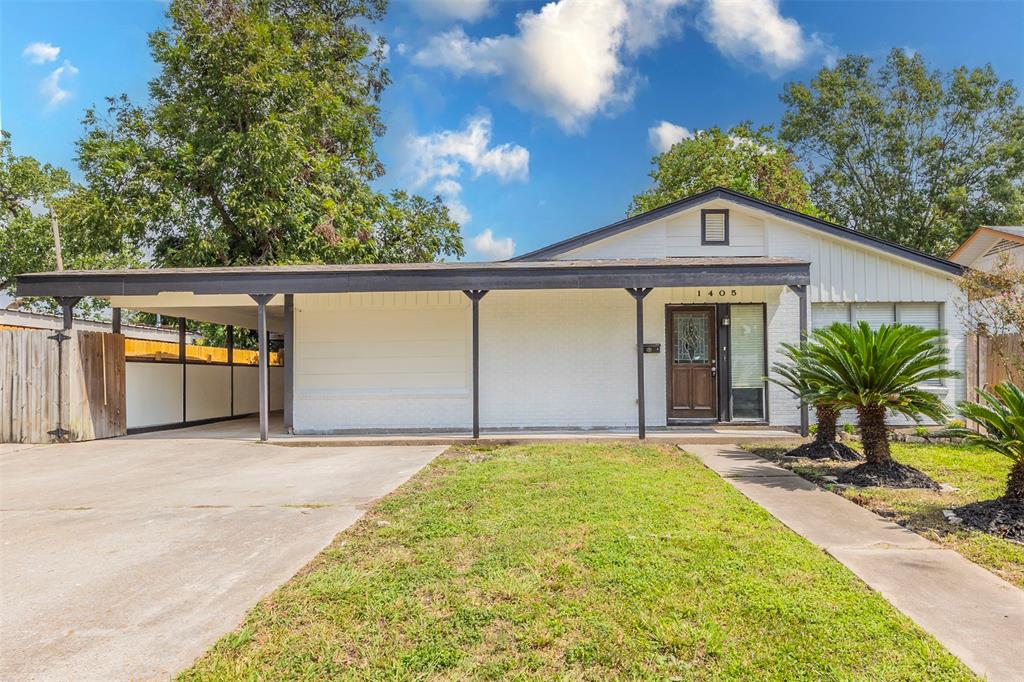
(290, 282)
(750, 202)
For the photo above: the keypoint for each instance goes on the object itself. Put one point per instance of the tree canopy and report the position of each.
(912, 155)
(744, 158)
(257, 145)
(29, 193)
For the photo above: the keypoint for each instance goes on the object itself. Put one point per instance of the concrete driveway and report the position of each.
(125, 559)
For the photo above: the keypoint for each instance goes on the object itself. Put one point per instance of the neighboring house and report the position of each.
(23, 319)
(723, 280)
(984, 249)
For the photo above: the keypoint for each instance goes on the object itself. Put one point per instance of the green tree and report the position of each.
(30, 192)
(914, 156)
(796, 376)
(876, 372)
(1001, 413)
(744, 159)
(258, 143)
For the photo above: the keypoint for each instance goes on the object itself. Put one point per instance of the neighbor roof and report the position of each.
(983, 239)
(302, 279)
(833, 229)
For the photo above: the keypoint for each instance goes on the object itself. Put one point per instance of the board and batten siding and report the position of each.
(841, 271)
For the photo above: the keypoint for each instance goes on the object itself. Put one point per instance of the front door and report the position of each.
(692, 382)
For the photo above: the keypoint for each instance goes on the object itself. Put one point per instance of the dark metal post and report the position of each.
(67, 304)
(640, 294)
(475, 295)
(184, 369)
(231, 366)
(289, 360)
(801, 292)
(115, 321)
(261, 334)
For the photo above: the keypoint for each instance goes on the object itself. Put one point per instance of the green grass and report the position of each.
(979, 474)
(574, 561)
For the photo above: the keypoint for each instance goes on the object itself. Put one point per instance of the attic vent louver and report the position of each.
(714, 226)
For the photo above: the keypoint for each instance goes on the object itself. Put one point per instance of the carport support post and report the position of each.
(289, 360)
(261, 334)
(801, 292)
(115, 320)
(475, 295)
(67, 305)
(640, 294)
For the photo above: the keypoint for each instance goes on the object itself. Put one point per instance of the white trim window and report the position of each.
(924, 315)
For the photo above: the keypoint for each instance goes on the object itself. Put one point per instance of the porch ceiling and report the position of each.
(504, 275)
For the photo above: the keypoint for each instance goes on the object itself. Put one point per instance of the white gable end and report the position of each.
(841, 270)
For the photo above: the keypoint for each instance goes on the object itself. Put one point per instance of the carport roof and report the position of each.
(308, 279)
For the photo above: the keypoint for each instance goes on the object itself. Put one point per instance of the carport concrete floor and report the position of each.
(127, 558)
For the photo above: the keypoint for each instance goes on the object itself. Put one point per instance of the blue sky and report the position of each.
(533, 120)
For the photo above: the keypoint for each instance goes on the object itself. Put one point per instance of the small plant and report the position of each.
(849, 429)
(921, 431)
(1001, 414)
(955, 424)
(813, 428)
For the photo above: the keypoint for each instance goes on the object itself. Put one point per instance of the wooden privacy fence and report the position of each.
(991, 360)
(61, 386)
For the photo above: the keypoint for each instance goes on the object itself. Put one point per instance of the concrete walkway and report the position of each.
(977, 616)
(125, 559)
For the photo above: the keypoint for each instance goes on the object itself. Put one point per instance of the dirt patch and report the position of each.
(1000, 517)
(887, 475)
(834, 450)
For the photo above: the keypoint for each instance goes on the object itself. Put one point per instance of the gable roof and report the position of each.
(803, 219)
(984, 238)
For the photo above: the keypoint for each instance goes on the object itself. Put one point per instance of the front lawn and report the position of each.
(977, 473)
(574, 561)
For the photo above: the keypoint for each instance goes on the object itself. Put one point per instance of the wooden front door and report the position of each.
(692, 371)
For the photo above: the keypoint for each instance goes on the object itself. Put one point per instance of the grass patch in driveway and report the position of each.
(977, 473)
(574, 561)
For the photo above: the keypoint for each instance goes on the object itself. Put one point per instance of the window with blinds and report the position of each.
(714, 226)
(826, 314)
(746, 335)
(875, 314)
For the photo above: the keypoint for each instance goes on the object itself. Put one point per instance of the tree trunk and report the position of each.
(827, 418)
(1015, 483)
(871, 420)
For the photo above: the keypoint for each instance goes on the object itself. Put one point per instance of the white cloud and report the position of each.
(567, 60)
(40, 53)
(494, 249)
(442, 157)
(459, 10)
(50, 87)
(665, 134)
(754, 32)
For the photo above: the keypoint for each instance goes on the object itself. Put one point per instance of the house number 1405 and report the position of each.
(712, 293)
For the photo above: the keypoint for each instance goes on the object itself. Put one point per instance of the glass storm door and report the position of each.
(692, 382)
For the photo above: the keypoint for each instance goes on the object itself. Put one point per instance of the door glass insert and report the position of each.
(691, 337)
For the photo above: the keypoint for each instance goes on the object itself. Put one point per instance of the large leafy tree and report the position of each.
(744, 158)
(257, 145)
(912, 155)
(31, 194)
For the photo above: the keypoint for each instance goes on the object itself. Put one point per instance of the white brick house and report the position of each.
(731, 278)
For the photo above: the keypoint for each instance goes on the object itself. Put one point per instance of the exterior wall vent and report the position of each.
(714, 226)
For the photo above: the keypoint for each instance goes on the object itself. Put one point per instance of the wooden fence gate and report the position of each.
(58, 386)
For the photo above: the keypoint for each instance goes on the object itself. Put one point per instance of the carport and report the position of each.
(264, 297)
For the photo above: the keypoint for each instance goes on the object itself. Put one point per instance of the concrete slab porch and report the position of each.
(976, 615)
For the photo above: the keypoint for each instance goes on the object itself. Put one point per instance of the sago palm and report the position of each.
(794, 377)
(1001, 414)
(875, 372)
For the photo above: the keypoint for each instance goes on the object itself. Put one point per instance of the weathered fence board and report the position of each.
(79, 388)
(991, 360)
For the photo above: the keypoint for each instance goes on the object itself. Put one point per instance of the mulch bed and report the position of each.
(888, 475)
(999, 517)
(834, 450)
